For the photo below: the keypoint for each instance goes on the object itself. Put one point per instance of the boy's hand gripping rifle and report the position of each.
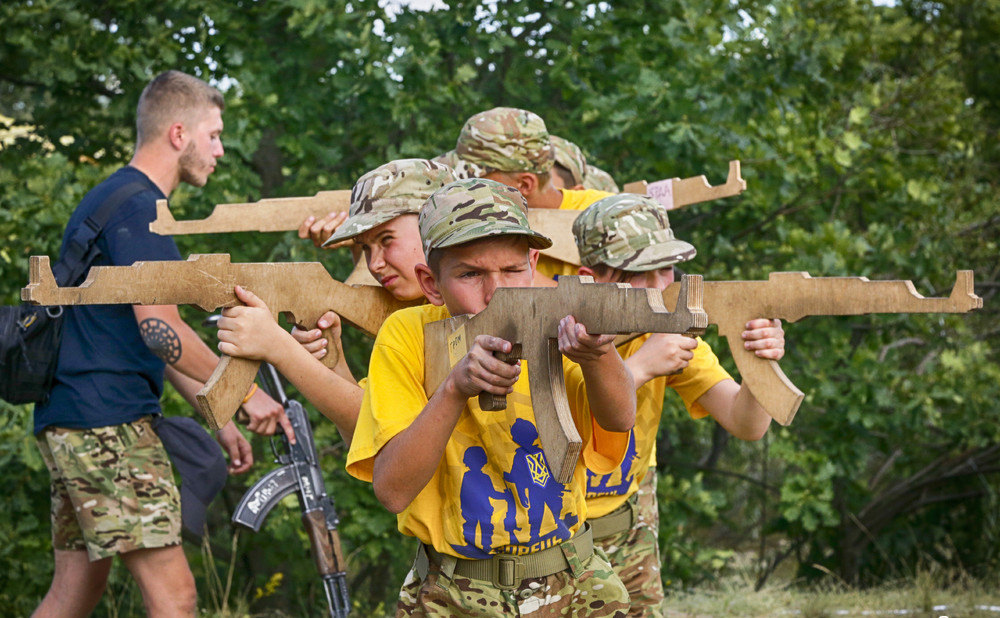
(300, 473)
(288, 213)
(529, 319)
(304, 291)
(791, 296)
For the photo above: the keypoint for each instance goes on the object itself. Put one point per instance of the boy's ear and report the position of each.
(527, 183)
(428, 284)
(586, 271)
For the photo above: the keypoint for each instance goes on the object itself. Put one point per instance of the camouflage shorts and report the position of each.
(596, 592)
(635, 554)
(113, 489)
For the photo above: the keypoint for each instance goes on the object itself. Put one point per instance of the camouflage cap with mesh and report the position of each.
(388, 191)
(463, 168)
(569, 156)
(506, 139)
(629, 232)
(596, 178)
(472, 209)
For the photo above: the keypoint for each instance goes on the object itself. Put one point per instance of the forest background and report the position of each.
(870, 141)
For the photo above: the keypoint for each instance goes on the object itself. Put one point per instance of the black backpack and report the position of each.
(29, 334)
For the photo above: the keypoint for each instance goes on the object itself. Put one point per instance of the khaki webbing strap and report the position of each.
(506, 571)
(617, 521)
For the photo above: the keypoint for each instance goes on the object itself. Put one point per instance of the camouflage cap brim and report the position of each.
(535, 239)
(361, 223)
(662, 252)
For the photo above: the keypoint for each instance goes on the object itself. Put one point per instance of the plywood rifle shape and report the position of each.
(674, 193)
(791, 296)
(287, 213)
(303, 291)
(529, 319)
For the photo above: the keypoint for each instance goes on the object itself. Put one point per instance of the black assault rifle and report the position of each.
(300, 472)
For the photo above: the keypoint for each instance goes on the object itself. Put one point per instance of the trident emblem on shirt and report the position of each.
(539, 471)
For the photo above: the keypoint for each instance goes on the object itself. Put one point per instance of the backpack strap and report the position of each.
(81, 249)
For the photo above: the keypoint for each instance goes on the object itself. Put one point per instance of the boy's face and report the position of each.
(470, 273)
(659, 278)
(392, 250)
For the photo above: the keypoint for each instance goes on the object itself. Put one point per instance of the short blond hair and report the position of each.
(172, 96)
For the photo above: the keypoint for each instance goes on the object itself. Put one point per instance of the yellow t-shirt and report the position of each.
(572, 200)
(492, 491)
(606, 493)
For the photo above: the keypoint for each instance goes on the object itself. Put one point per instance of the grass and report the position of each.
(933, 593)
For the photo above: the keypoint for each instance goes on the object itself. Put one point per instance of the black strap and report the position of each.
(81, 249)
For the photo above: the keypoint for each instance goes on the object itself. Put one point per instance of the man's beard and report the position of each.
(188, 166)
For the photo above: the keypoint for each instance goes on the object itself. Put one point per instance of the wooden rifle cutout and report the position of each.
(677, 192)
(287, 213)
(791, 296)
(303, 291)
(530, 317)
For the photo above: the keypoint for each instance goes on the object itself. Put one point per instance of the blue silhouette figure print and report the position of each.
(597, 484)
(477, 511)
(534, 485)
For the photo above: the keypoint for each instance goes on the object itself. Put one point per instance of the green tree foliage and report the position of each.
(869, 140)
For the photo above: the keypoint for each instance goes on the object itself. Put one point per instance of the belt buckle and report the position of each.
(508, 572)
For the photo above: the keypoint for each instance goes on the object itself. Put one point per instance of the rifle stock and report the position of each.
(302, 291)
(791, 296)
(530, 317)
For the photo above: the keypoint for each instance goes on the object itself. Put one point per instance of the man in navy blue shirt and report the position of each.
(112, 484)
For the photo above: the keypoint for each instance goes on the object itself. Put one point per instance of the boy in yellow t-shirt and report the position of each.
(383, 222)
(499, 535)
(627, 239)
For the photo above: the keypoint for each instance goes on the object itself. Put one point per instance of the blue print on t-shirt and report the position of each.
(534, 485)
(477, 511)
(597, 484)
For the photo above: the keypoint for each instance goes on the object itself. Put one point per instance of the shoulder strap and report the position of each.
(81, 249)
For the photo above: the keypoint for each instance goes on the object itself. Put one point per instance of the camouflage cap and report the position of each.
(475, 208)
(463, 168)
(388, 191)
(596, 178)
(629, 232)
(570, 157)
(506, 139)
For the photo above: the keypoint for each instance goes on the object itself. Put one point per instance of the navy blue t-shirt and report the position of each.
(106, 375)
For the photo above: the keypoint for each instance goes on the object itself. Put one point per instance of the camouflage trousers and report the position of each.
(590, 589)
(113, 489)
(635, 553)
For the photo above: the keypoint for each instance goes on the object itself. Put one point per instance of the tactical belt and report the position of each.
(507, 571)
(617, 521)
